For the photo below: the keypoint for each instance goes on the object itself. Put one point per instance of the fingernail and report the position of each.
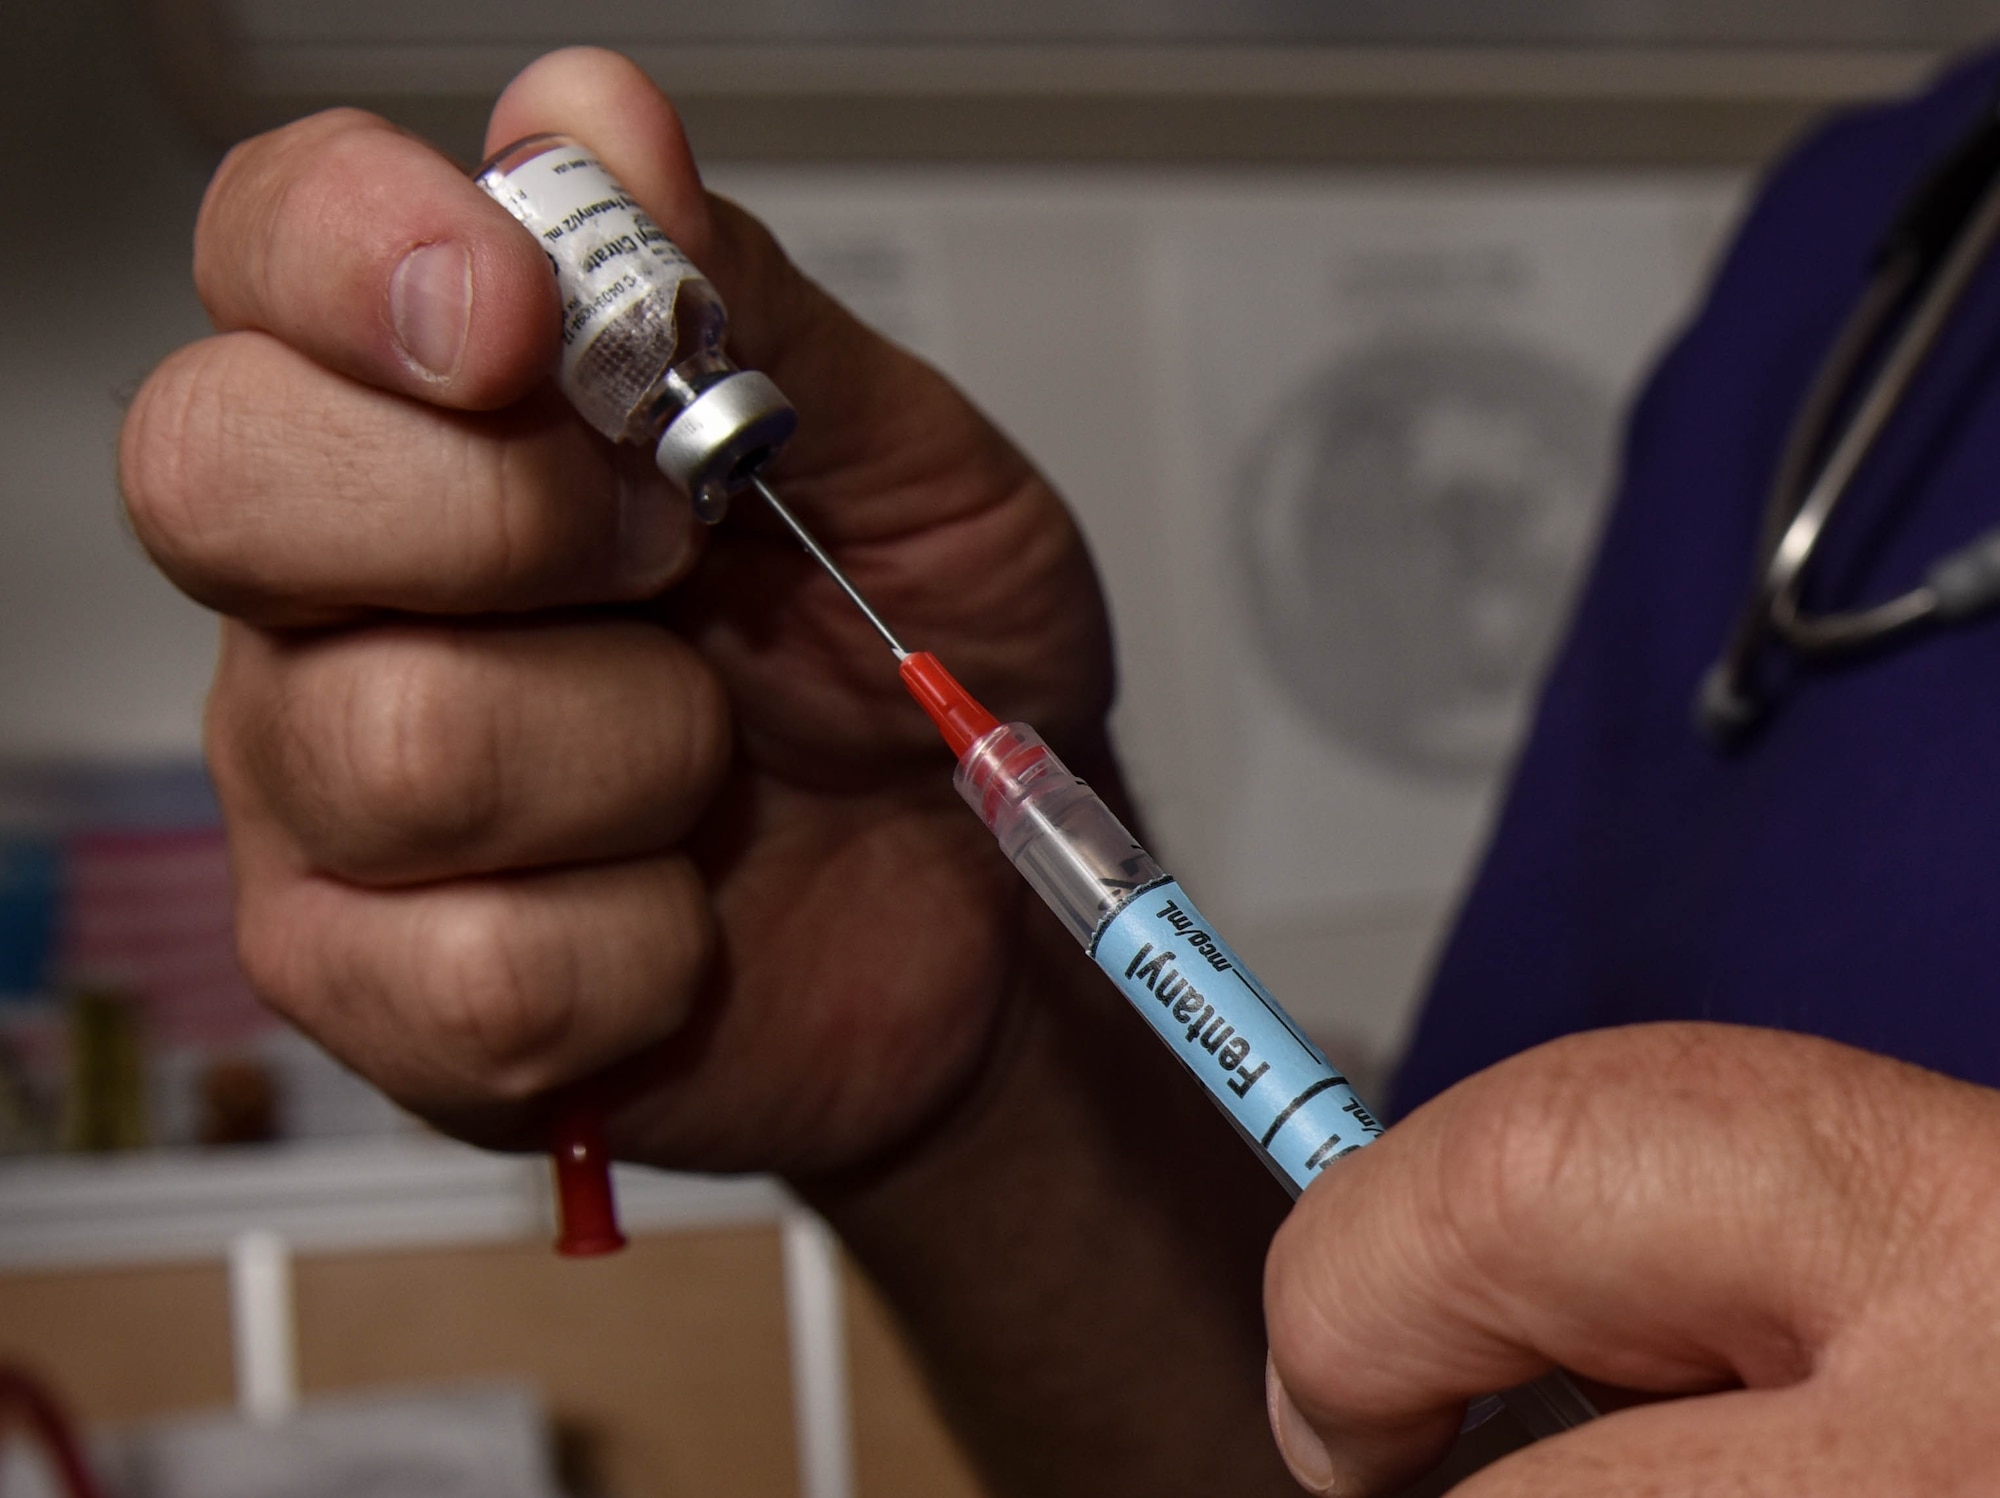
(1298, 1443)
(430, 307)
(655, 529)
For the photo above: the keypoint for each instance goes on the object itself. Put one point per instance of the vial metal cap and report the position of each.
(724, 435)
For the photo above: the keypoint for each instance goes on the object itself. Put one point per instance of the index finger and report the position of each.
(365, 249)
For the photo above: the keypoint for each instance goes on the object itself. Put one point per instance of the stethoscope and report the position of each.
(1920, 272)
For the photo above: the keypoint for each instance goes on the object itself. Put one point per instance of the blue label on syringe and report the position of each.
(1195, 991)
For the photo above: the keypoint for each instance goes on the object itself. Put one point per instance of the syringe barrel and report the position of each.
(1053, 828)
(1141, 928)
(1287, 1101)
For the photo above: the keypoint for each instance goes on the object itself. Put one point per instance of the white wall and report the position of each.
(1147, 336)
(1135, 331)
(98, 656)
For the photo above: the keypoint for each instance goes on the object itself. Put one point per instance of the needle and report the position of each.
(833, 570)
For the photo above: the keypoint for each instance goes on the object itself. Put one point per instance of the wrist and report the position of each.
(1047, 976)
(1075, 1246)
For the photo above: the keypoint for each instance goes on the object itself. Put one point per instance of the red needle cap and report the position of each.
(585, 1205)
(958, 715)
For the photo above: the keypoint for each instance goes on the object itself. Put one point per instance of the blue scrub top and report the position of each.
(1840, 873)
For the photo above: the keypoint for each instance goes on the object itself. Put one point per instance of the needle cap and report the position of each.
(958, 715)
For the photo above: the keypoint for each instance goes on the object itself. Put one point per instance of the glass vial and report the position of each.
(642, 328)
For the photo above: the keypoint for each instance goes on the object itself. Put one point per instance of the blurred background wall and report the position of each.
(1323, 315)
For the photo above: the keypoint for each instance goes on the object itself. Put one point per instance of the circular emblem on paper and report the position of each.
(1417, 513)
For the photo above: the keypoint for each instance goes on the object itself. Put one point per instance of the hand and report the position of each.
(531, 784)
(524, 788)
(1797, 1238)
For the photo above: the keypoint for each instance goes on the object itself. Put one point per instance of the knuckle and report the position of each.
(212, 439)
(533, 507)
(221, 246)
(703, 733)
(1516, 1160)
(493, 998)
(274, 943)
(502, 532)
(226, 734)
(670, 940)
(1319, 1319)
(1553, 1143)
(177, 414)
(1292, 1306)
(418, 763)
(261, 184)
(345, 154)
(264, 949)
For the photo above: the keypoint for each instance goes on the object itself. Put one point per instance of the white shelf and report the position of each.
(364, 1194)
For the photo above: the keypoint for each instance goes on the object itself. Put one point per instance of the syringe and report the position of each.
(1294, 1110)
(643, 361)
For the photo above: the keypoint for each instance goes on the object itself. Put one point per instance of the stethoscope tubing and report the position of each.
(1793, 525)
(1780, 591)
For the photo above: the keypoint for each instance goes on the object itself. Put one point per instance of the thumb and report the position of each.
(1675, 1208)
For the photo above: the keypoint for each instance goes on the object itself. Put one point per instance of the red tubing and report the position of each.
(586, 1207)
(959, 717)
(38, 1410)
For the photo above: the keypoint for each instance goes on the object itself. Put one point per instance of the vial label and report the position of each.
(1226, 1028)
(608, 255)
